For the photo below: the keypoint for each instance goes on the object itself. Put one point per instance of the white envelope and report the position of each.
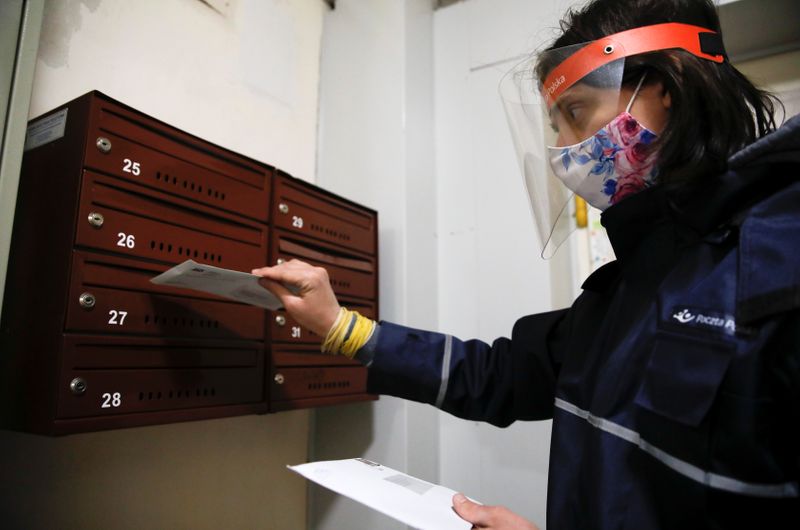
(236, 285)
(410, 500)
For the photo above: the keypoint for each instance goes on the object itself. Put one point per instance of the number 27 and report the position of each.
(117, 317)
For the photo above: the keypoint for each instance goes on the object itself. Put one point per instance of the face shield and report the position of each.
(558, 102)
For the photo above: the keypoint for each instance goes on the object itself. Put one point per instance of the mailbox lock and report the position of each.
(87, 300)
(96, 219)
(103, 144)
(279, 378)
(77, 386)
(283, 208)
(280, 320)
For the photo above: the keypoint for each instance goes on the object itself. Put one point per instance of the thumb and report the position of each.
(472, 512)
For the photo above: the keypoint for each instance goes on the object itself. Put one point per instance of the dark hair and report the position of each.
(715, 110)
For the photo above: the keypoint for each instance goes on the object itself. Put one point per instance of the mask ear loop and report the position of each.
(635, 93)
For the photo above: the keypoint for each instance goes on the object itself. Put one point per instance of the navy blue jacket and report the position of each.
(673, 381)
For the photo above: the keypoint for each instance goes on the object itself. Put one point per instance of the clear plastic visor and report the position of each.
(545, 110)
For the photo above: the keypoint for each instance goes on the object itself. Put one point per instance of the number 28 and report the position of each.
(111, 400)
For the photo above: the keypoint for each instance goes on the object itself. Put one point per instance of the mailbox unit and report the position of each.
(319, 228)
(108, 199)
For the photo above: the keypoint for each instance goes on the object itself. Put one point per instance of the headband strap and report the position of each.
(698, 41)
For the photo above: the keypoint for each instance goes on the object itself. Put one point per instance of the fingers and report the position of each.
(305, 292)
(295, 272)
(490, 517)
(281, 269)
(285, 272)
(472, 512)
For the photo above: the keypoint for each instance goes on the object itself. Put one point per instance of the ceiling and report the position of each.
(436, 3)
(751, 28)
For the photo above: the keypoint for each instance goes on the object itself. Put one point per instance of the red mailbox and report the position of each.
(301, 209)
(109, 198)
(283, 328)
(340, 236)
(114, 218)
(302, 377)
(114, 295)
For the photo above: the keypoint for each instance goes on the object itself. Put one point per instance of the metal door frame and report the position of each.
(20, 26)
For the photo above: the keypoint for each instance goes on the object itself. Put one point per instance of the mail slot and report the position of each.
(307, 355)
(116, 308)
(117, 375)
(109, 294)
(284, 328)
(351, 275)
(128, 145)
(108, 270)
(302, 209)
(114, 218)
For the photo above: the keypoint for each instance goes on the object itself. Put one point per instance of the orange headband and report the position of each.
(701, 42)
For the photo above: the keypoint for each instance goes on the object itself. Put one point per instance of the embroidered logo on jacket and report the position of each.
(705, 319)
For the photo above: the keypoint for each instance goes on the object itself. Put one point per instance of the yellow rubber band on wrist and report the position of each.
(336, 329)
(348, 333)
(359, 335)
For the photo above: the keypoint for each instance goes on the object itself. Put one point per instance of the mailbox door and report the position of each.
(117, 375)
(295, 383)
(147, 152)
(284, 328)
(300, 209)
(351, 275)
(302, 377)
(114, 218)
(114, 295)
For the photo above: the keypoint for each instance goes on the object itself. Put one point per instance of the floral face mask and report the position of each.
(612, 164)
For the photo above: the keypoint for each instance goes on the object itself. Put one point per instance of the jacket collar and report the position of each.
(663, 221)
(715, 200)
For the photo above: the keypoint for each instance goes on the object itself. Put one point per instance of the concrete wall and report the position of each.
(247, 81)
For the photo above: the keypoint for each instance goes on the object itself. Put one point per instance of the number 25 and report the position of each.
(129, 166)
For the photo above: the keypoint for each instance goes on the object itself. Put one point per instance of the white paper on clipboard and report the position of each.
(410, 500)
(236, 285)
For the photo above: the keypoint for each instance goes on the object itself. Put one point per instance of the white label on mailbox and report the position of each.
(46, 130)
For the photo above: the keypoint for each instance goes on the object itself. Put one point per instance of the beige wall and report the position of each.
(247, 81)
(222, 474)
(779, 74)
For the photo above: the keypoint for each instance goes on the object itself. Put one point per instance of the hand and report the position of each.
(492, 517)
(314, 305)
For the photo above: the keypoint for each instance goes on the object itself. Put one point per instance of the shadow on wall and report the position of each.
(340, 432)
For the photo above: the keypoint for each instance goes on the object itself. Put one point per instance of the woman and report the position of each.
(673, 381)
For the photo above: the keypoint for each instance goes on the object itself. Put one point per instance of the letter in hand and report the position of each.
(305, 292)
(491, 517)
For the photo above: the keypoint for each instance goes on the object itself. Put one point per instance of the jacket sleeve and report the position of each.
(499, 383)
